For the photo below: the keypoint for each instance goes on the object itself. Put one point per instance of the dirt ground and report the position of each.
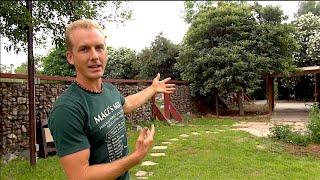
(295, 114)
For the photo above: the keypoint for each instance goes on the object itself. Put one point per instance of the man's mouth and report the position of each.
(94, 66)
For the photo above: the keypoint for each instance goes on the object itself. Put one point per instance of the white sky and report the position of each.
(149, 19)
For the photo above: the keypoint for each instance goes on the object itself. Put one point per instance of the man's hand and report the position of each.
(144, 142)
(161, 86)
(134, 101)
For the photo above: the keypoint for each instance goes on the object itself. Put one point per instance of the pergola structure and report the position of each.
(302, 71)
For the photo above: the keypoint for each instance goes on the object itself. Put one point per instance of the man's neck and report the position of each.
(90, 85)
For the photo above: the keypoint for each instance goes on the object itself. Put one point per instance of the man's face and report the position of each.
(88, 53)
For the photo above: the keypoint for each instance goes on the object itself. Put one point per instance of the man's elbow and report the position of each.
(127, 110)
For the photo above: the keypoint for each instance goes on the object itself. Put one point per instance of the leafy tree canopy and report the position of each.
(49, 18)
(308, 36)
(192, 8)
(23, 68)
(56, 64)
(160, 57)
(308, 6)
(6, 69)
(229, 47)
(122, 64)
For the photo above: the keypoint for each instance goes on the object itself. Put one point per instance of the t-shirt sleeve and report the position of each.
(67, 126)
(122, 99)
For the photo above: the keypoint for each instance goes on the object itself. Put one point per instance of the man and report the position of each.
(87, 121)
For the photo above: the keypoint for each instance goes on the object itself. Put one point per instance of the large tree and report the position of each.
(6, 69)
(308, 36)
(159, 57)
(192, 8)
(308, 6)
(122, 64)
(23, 68)
(55, 63)
(228, 48)
(49, 18)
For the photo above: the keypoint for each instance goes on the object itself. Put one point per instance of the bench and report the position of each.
(44, 139)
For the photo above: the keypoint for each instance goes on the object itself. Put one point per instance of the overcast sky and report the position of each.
(149, 19)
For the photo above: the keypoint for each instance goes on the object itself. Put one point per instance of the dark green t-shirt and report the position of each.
(80, 120)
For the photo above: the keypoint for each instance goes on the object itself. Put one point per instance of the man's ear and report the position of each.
(69, 56)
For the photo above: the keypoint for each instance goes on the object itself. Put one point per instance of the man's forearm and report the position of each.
(136, 100)
(112, 170)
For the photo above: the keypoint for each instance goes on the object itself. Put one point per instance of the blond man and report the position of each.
(87, 121)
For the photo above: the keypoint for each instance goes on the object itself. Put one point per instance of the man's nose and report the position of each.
(94, 54)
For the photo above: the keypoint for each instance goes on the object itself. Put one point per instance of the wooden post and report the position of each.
(240, 102)
(217, 104)
(153, 103)
(317, 88)
(31, 97)
(166, 105)
(270, 93)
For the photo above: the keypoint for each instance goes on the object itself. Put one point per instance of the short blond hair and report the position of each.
(80, 24)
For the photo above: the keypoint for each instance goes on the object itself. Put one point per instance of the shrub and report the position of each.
(280, 132)
(314, 125)
(298, 138)
(285, 133)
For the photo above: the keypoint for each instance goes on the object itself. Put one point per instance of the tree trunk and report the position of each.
(217, 104)
(240, 102)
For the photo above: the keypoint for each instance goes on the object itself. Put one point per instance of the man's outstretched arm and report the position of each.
(132, 102)
(76, 165)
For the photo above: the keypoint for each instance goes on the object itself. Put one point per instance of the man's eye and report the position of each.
(100, 48)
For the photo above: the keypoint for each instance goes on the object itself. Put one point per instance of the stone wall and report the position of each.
(14, 108)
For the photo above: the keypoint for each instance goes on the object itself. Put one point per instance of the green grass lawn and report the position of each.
(224, 155)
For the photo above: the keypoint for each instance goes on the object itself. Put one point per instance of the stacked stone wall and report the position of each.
(14, 108)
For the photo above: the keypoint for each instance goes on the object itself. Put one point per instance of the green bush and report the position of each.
(280, 132)
(314, 125)
(298, 138)
(285, 133)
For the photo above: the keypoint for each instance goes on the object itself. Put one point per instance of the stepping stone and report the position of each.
(260, 147)
(215, 132)
(142, 177)
(174, 139)
(222, 130)
(195, 133)
(209, 132)
(179, 125)
(184, 135)
(166, 142)
(141, 173)
(225, 125)
(148, 163)
(157, 154)
(160, 147)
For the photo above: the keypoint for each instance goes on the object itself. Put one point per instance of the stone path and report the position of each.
(294, 114)
(262, 129)
(144, 174)
(291, 112)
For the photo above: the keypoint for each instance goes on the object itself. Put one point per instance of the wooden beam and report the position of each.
(174, 112)
(71, 79)
(301, 71)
